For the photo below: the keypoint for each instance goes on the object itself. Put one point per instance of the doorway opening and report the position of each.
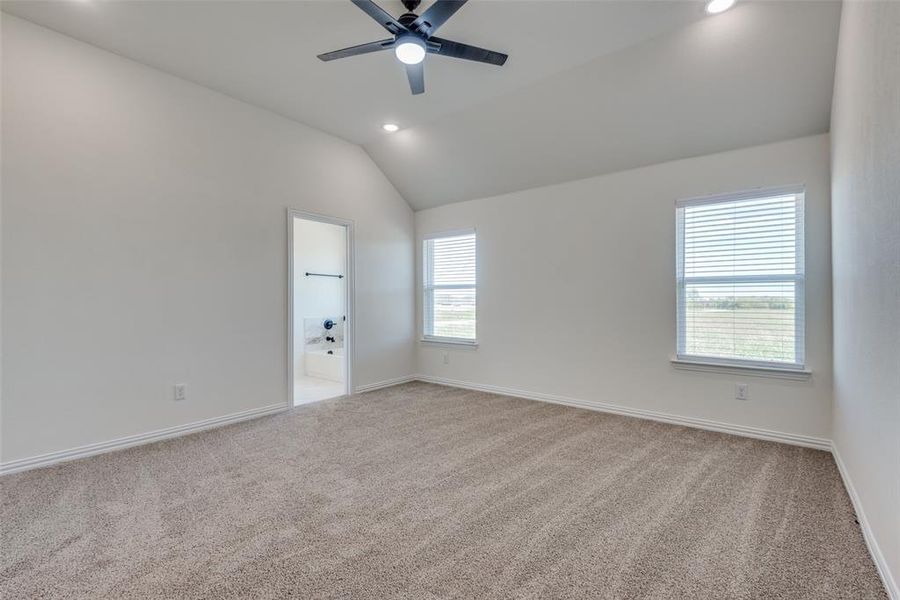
(320, 281)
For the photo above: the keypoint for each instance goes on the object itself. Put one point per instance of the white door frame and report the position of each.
(349, 291)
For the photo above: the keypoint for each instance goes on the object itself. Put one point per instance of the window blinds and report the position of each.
(449, 286)
(740, 278)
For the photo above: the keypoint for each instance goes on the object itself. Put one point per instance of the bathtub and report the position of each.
(319, 363)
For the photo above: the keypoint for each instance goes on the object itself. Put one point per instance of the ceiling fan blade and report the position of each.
(356, 50)
(416, 75)
(467, 52)
(380, 15)
(436, 15)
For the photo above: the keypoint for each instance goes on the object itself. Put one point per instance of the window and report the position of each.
(448, 304)
(740, 279)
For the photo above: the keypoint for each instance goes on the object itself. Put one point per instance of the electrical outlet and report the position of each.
(446, 358)
(741, 391)
(180, 391)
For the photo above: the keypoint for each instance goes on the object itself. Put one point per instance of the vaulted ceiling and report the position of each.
(589, 88)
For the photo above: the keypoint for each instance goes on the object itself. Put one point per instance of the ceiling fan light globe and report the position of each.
(410, 51)
(714, 7)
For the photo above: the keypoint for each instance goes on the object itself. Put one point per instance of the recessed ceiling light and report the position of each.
(390, 127)
(715, 7)
(410, 50)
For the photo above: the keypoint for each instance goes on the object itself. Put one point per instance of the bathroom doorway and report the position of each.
(320, 306)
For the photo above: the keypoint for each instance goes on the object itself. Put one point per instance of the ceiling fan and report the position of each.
(413, 38)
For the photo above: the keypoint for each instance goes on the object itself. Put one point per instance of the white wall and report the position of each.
(866, 248)
(576, 292)
(145, 243)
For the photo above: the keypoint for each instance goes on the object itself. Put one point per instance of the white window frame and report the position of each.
(427, 290)
(799, 278)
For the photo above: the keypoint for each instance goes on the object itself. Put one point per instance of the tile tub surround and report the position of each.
(314, 332)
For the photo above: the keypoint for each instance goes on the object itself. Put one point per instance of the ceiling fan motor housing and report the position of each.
(407, 20)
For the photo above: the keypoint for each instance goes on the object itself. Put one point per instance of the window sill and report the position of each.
(738, 369)
(450, 343)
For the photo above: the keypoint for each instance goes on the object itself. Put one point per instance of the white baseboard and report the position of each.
(43, 460)
(881, 565)
(753, 432)
(890, 584)
(383, 384)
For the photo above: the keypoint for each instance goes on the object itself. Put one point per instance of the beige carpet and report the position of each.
(421, 491)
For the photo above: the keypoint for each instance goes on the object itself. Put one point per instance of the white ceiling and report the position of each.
(760, 73)
(590, 86)
(264, 52)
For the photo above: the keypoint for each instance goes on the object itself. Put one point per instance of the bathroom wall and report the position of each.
(318, 248)
(145, 244)
(576, 292)
(865, 152)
